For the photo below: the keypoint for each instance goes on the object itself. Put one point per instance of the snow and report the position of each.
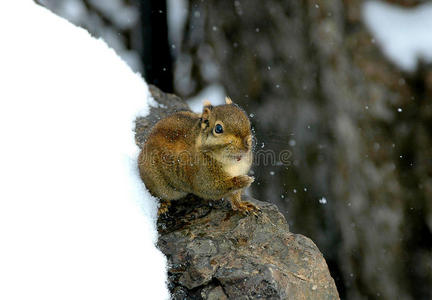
(404, 34)
(322, 200)
(124, 16)
(76, 222)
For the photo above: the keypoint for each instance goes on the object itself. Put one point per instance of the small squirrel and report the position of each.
(208, 155)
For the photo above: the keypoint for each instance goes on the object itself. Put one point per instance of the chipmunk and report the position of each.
(208, 155)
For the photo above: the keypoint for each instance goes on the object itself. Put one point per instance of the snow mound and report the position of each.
(76, 222)
(404, 34)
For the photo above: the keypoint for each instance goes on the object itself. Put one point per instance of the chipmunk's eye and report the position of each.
(218, 129)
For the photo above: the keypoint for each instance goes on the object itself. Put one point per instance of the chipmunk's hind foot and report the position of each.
(163, 207)
(244, 207)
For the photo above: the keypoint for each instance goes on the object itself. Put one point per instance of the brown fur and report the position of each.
(184, 155)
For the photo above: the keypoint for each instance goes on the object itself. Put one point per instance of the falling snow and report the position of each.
(322, 200)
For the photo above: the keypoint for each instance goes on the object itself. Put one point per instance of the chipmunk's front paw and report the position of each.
(242, 181)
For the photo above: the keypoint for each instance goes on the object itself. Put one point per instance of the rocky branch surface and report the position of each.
(216, 253)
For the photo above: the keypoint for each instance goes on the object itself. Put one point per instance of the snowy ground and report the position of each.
(76, 222)
(404, 34)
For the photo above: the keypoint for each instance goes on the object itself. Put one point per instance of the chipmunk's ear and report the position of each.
(206, 103)
(205, 116)
(228, 100)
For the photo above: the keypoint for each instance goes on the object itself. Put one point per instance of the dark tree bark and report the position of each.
(155, 53)
(318, 85)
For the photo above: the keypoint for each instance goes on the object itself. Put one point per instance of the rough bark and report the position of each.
(217, 254)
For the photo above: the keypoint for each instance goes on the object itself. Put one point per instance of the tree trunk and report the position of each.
(155, 54)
